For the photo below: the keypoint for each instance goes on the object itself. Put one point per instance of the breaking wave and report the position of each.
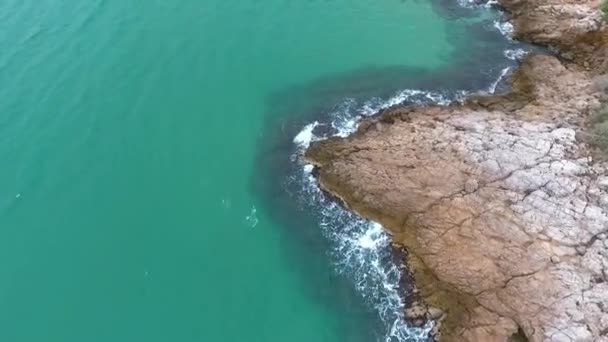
(515, 54)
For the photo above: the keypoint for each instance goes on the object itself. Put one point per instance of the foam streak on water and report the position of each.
(515, 54)
(494, 85)
(361, 252)
(305, 137)
(505, 27)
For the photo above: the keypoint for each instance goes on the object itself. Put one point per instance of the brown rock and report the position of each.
(417, 313)
(435, 313)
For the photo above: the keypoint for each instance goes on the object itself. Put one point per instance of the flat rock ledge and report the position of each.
(499, 202)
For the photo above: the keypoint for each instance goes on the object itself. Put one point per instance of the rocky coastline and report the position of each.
(500, 203)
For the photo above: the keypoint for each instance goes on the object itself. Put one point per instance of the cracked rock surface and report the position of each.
(503, 211)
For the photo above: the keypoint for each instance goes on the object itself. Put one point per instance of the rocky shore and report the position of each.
(501, 202)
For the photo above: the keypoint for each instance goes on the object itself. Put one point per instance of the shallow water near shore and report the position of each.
(151, 190)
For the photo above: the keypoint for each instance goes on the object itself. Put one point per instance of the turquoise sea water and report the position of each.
(144, 148)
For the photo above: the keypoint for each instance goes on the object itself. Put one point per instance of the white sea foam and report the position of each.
(475, 3)
(346, 116)
(252, 218)
(505, 27)
(468, 3)
(361, 250)
(491, 3)
(494, 85)
(373, 106)
(371, 238)
(306, 136)
(343, 122)
(515, 54)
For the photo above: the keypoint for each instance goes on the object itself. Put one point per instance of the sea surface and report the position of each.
(150, 181)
